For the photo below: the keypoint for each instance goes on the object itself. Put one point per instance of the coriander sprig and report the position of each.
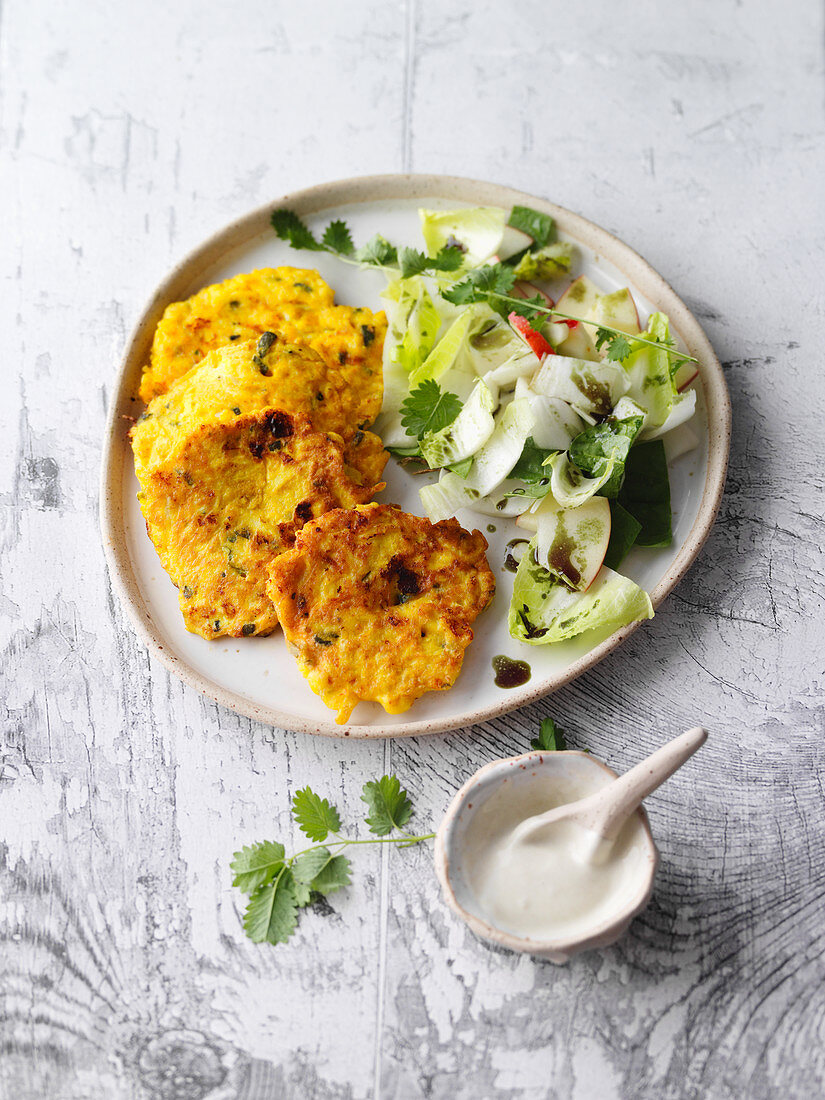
(551, 737)
(428, 409)
(378, 252)
(492, 282)
(489, 283)
(279, 885)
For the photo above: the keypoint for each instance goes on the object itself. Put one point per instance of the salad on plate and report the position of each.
(515, 404)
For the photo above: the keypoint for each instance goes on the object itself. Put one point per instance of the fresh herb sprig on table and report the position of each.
(279, 885)
(551, 737)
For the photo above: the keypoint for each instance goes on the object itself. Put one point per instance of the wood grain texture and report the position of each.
(129, 132)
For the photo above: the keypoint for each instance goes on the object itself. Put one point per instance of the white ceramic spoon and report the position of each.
(602, 814)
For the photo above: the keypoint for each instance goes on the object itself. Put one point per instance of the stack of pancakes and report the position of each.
(256, 467)
(259, 392)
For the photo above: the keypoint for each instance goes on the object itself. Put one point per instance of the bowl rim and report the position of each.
(561, 946)
(368, 189)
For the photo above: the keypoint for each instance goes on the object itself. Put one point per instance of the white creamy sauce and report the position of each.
(543, 886)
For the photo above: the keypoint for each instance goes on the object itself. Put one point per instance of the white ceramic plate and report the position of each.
(256, 676)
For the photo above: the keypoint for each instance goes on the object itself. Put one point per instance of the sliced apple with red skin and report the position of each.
(534, 340)
(684, 376)
(618, 310)
(530, 290)
(579, 298)
(584, 300)
(571, 543)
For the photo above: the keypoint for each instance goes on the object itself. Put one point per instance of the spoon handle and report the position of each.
(628, 791)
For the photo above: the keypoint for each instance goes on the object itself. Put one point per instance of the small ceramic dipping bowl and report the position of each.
(578, 774)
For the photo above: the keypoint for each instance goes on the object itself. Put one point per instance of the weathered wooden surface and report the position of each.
(130, 131)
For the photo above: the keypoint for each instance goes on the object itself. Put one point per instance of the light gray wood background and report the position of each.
(129, 132)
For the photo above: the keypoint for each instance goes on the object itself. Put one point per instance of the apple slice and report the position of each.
(512, 241)
(685, 375)
(556, 423)
(571, 543)
(583, 299)
(579, 298)
(617, 310)
(578, 343)
(530, 290)
(534, 340)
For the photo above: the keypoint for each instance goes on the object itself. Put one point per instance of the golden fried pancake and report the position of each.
(237, 380)
(365, 457)
(232, 497)
(377, 604)
(246, 378)
(295, 303)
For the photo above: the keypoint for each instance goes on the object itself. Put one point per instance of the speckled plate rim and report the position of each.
(376, 189)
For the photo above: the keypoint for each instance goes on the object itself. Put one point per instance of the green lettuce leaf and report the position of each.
(531, 468)
(447, 350)
(423, 323)
(540, 227)
(544, 610)
(648, 371)
(569, 486)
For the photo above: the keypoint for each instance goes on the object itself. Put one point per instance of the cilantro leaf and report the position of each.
(338, 239)
(255, 863)
(315, 816)
(551, 737)
(272, 912)
(619, 349)
(289, 227)
(306, 866)
(412, 262)
(389, 804)
(533, 309)
(427, 409)
(377, 252)
(448, 258)
(532, 222)
(480, 285)
(618, 345)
